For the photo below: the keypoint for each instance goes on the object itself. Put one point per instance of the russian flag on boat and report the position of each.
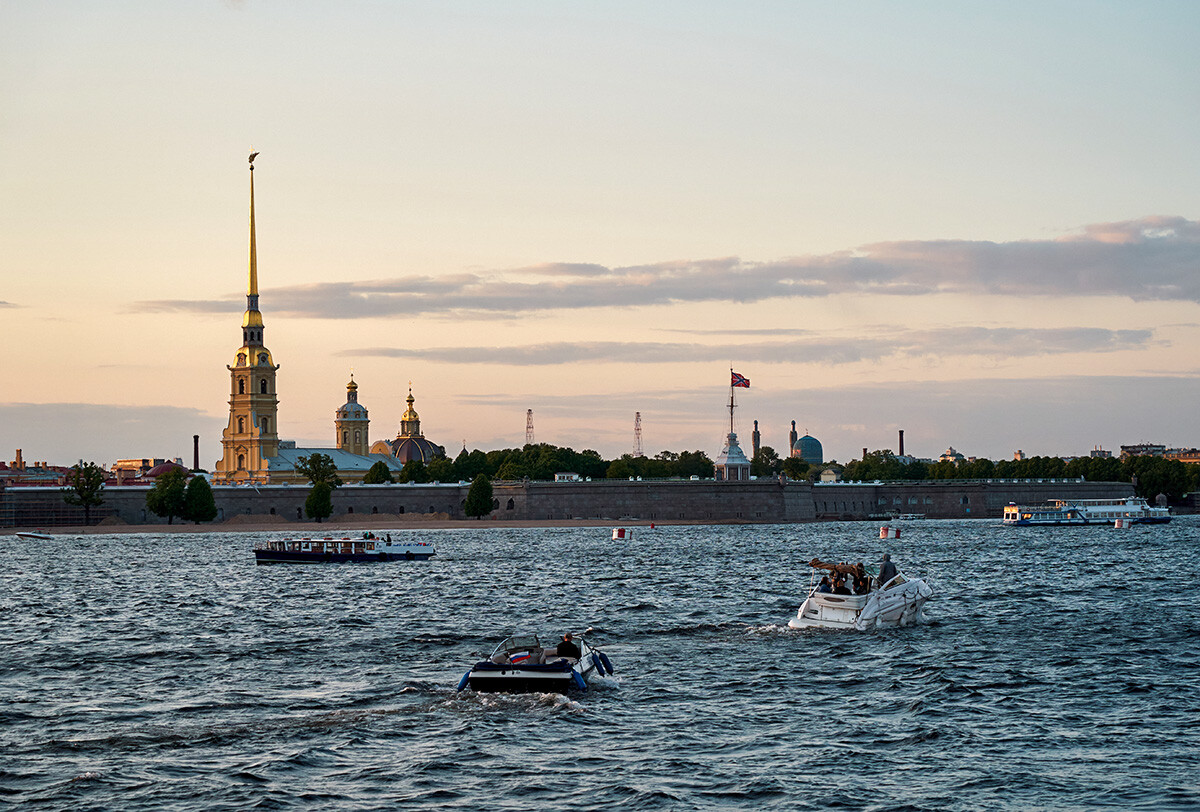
(516, 658)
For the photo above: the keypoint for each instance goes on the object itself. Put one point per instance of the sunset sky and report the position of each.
(976, 222)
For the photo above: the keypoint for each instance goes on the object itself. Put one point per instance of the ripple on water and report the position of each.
(142, 672)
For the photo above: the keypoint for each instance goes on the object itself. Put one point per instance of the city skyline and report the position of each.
(941, 219)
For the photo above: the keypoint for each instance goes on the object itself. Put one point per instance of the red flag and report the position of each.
(739, 380)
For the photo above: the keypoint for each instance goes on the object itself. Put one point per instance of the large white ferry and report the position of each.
(1129, 509)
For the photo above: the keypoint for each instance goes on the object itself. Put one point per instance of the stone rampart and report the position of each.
(764, 500)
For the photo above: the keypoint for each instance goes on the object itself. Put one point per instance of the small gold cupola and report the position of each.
(410, 423)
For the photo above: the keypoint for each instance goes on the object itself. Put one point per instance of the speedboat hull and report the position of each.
(897, 604)
(515, 668)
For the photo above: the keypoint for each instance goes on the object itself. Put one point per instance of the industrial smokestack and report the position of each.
(901, 454)
(195, 452)
(864, 452)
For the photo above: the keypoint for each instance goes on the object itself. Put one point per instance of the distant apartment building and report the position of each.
(1190, 455)
(1143, 450)
(1100, 453)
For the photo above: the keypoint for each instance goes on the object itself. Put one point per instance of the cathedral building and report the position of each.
(251, 451)
(410, 443)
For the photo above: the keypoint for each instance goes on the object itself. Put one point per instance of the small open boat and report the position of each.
(520, 664)
(28, 534)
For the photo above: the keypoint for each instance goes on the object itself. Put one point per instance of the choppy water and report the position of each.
(1058, 669)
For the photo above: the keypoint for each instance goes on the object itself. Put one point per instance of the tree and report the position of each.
(379, 474)
(319, 468)
(795, 468)
(413, 471)
(440, 469)
(479, 497)
(166, 498)
(620, 469)
(319, 504)
(198, 503)
(766, 462)
(85, 486)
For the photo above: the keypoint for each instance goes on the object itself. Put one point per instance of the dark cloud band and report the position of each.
(1153, 258)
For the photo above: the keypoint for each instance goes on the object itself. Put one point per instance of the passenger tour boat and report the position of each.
(1128, 509)
(369, 547)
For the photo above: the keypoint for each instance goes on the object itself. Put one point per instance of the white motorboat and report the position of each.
(898, 602)
(26, 534)
(520, 664)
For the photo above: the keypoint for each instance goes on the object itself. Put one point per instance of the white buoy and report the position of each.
(889, 532)
(619, 534)
(1123, 524)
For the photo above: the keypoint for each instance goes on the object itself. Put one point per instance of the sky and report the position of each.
(975, 222)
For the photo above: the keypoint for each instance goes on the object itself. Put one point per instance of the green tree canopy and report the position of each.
(441, 469)
(319, 468)
(379, 474)
(795, 468)
(766, 462)
(85, 488)
(198, 502)
(479, 497)
(166, 498)
(413, 471)
(319, 504)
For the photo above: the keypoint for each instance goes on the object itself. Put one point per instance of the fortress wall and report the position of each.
(691, 501)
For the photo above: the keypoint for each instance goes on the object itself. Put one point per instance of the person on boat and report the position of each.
(887, 570)
(861, 585)
(824, 585)
(839, 586)
(566, 648)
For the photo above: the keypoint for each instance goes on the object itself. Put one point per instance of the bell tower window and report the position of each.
(241, 425)
(241, 386)
(262, 386)
(241, 462)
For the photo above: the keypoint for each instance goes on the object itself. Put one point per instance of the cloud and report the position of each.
(8, 304)
(808, 347)
(1152, 258)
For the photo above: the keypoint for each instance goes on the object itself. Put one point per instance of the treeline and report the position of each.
(541, 461)
(1151, 475)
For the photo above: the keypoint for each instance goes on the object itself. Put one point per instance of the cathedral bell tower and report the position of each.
(351, 423)
(251, 437)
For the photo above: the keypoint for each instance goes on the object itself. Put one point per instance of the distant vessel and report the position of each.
(26, 534)
(332, 550)
(1129, 509)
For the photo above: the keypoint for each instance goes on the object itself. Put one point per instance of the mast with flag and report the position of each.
(735, 381)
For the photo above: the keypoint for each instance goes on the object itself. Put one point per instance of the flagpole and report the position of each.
(731, 400)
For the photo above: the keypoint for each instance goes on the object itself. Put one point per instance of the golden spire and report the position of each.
(252, 319)
(253, 291)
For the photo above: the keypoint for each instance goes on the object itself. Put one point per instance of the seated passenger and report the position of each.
(840, 588)
(566, 648)
(861, 585)
(824, 585)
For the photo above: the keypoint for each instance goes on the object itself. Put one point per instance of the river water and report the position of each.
(1056, 669)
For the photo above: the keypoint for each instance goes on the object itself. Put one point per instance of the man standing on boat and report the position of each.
(887, 570)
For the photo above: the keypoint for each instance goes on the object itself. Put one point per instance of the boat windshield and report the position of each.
(518, 642)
